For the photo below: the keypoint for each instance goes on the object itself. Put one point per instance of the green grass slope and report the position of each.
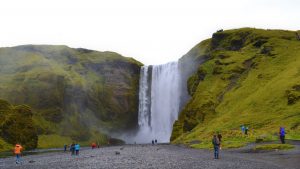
(75, 94)
(250, 77)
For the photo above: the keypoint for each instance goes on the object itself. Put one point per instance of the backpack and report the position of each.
(216, 141)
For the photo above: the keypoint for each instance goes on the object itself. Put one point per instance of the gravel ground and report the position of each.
(158, 156)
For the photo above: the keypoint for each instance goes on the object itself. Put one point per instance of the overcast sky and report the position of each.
(152, 31)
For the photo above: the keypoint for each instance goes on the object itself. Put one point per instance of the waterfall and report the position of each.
(159, 101)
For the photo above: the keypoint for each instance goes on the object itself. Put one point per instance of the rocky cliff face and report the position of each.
(250, 77)
(74, 93)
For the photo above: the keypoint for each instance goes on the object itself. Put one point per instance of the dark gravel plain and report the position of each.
(157, 157)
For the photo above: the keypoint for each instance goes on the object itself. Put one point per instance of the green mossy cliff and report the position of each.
(17, 126)
(75, 94)
(249, 76)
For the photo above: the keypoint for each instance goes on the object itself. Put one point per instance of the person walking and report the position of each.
(77, 148)
(282, 134)
(18, 150)
(216, 144)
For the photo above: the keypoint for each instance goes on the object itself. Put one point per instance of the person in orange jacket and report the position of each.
(18, 150)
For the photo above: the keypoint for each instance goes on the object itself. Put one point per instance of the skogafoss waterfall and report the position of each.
(159, 101)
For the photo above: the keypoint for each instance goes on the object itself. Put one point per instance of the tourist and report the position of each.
(65, 148)
(282, 135)
(72, 149)
(155, 141)
(220, 138)
(243, 129)
(18, 149)
(216, 144)
(94, 145)
(246, 130)
(77, 148)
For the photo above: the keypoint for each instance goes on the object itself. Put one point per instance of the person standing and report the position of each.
(72, 149)
(243, 129)
(17, 150)
(282, 135)
(220, 139)
(246, 130)
(77, 148)
(65, 148)
(216, 144)
(94, 145)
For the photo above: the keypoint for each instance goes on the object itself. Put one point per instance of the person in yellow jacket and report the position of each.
(18, 150)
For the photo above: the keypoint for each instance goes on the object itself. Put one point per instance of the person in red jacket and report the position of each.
(17, 151)
(94, 145)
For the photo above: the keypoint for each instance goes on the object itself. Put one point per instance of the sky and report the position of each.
(151, 31)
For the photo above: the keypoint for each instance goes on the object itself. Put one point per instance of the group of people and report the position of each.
(244, 129)
(74, 148)
(216, 141)
(94, 145)
(217, 138)
(154, 142)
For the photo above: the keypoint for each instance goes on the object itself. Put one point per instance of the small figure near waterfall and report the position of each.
(155, 141)
(65, 148)
(216, 144)
(93, 145)
(282, 135)
(220, 139)
(243, 129)
(17, 151)
(246, 130)
(77, 148)
(72, 149)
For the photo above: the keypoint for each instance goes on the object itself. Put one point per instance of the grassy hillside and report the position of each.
(75, 94)
(250, 77)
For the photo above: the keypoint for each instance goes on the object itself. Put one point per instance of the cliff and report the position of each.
(248, 77)
(75, 94)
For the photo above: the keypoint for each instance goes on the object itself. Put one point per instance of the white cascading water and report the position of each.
(159, 100)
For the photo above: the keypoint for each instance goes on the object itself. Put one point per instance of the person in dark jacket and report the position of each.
(216, 144)
(65, 148)
(72, 149)
(220, 139)
(246, 130)
(282, 135)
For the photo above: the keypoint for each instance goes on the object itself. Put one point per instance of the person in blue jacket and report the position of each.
(282, 135)
(77, 148)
